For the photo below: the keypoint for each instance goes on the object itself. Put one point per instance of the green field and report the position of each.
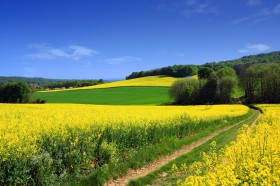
(109, 96)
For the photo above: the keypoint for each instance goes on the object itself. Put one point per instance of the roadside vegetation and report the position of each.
(253, 159)
(170, 173)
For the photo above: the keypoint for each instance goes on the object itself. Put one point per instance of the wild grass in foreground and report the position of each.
(165, 175)
(48, 144)
(253, 159)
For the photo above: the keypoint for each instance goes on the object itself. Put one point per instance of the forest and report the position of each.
(260, 82)
(189, 70)
(258, 75)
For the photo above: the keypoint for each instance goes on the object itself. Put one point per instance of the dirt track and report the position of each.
(137, 173)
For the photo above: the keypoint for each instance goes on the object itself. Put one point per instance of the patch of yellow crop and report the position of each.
(156, 81)
(39, 135)
(163, 81)
(195, 77)
(253, 159)
(24, 124)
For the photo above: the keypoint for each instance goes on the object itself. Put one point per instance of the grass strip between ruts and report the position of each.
(163, 175)
(140, 157)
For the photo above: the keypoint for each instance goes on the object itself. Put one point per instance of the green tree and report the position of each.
(225, 89)
(226, 71)
(15, 93)
(261, 83)
(204, 72)
(178, 91)
(185, 91)
(208, 92)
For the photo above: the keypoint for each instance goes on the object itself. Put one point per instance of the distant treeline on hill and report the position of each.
(189, 70)
(42, 83)
(173, 71)
(74, 83)
(239, 64)
(30, 81)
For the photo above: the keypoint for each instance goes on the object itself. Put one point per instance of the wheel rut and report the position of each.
(150, 167)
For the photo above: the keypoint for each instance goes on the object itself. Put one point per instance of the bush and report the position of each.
(226, 86)
(15, 93)
(216, 87)
(185, 91)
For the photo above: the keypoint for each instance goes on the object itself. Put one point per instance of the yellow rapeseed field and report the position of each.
(154, 81)
(66, 136)
(253, 159)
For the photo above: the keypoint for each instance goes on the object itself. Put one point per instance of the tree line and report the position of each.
(211, 87)
(239, 64)
(20, 92)
(190, 70)
(42, 83)
(15, 93)
(173, 71)
(73, 83)
(260, 82)
(30, 81)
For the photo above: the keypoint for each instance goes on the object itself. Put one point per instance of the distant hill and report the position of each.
(152, 90)
(190, 70)
(237, 64)
(172, 71)
(149, 81)
(43, 83)
(37, 81)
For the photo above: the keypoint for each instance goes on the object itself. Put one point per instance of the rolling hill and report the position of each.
(141, 91)
(189, 70)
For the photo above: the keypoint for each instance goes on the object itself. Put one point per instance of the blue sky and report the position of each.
(109, 39)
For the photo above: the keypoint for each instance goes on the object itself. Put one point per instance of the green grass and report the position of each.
(222, 139)
(109, 96)
(238, 92)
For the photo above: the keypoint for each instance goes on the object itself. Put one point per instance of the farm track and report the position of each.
(145, 170)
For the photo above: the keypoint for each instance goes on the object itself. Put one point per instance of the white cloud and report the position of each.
(120, 60)
(79, 52)
(261, 15)
(72, 52)
(254, 48)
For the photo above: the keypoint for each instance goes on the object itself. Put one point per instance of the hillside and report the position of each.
(189, 70)
(150, 81)
(237, 64)
(152, 90)
(37, 81)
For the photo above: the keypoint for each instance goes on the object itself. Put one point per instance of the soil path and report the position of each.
(137, 173)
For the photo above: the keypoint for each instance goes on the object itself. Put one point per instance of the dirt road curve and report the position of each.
(137, 173)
